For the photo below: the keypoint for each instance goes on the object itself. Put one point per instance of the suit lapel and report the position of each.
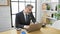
(23, 16)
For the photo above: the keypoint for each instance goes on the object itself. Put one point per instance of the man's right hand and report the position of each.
(26, 26)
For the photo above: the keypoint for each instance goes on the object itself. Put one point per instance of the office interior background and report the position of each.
(19, 5)
(8, 13)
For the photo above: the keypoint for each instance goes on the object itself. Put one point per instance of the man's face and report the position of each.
(29, 9)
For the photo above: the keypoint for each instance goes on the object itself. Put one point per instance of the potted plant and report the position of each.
(48, 7)
(57, 15)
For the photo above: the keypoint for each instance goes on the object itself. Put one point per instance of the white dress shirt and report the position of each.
(24, 15)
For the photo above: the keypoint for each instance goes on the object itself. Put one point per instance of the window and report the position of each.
(14, 7)
(19, 5)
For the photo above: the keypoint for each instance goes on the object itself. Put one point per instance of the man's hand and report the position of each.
(31, 23)
(26, 26)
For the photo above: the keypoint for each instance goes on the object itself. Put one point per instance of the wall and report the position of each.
(5, 18)
(39, 11)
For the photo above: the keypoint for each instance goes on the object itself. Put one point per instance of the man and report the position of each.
(24, 17)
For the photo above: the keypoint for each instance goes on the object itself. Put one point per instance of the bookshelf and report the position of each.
(49, 7)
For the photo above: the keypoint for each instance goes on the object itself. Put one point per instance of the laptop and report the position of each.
(34, 27)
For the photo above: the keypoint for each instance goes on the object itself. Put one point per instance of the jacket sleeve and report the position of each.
(17, 22)
(32, 17)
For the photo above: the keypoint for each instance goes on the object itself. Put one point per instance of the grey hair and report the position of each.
(29, 5)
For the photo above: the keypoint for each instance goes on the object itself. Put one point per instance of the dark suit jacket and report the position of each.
(20, 20)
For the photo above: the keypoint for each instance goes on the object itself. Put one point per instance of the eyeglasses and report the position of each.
(29, 9)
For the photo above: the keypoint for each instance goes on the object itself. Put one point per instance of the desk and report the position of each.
(12, 31)
(46, 30)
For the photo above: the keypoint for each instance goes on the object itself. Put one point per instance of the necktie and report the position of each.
(27, 18)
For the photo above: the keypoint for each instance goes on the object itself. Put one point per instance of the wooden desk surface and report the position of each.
(13, 31)
(47, 30)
